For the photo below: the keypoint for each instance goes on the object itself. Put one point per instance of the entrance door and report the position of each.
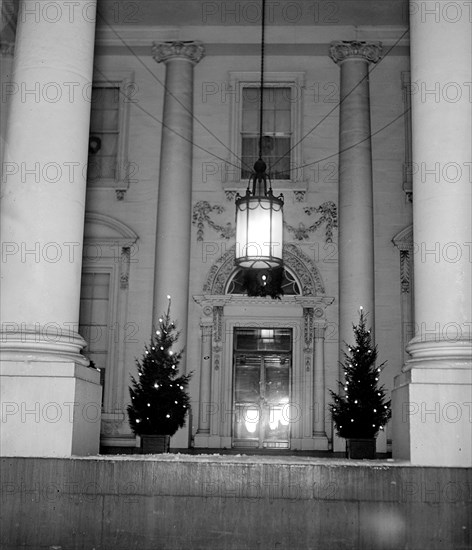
(262, 373)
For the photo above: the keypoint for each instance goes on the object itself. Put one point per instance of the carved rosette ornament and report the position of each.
(341, 50)
(189, 49)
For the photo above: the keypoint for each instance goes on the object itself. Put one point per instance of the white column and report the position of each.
(432, 410)
(50, 399)
(356, 226)
(174, 209)
(7, 47)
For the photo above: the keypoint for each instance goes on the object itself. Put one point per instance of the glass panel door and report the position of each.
(262, 388)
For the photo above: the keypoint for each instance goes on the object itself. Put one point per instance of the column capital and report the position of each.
(194, 51)
(340, 50)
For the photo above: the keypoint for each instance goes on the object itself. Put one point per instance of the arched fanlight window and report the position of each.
(289, 284)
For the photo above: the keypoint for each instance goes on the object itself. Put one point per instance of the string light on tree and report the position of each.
(159, 401)
(360, 413)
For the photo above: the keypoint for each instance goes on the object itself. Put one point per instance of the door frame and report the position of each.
(306, 316)
(276, 316)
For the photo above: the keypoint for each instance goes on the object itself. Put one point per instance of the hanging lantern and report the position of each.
(259, 224)
(259, 215)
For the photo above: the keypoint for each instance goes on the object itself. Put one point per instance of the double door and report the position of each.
(261, 399)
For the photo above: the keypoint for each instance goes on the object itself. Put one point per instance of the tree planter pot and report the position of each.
(360, 448)
(153, 444)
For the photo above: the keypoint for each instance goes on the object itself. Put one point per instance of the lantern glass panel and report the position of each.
(259, 228)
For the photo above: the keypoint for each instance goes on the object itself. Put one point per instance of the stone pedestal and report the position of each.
(52, 398)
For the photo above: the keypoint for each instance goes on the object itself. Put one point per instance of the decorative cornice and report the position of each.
(341, 50)
(120, 232)
(188, 49)
(404, 239)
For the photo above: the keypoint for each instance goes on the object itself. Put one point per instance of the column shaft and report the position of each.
(356, 216)
(174, 211)
(356, 230)
(174, 207)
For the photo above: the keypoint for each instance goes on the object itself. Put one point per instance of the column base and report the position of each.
(318, 442)
(201, 441)
(49, 408)
(181, 439)
(432, 415)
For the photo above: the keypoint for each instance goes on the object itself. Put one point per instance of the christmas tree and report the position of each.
(159, 401)
(360, 409)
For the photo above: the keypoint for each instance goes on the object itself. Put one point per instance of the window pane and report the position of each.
(110, 120)
(250, 122)
(247, 373)
(283, 98)
(109, 145)
(276, 127)
(282, 122)
(268, 121)
(104, 125)
(251, 99)
(266, 339)
(105, 97)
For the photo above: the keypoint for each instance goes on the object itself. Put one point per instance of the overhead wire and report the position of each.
(337, 106)
(197, 120)
(130, 49)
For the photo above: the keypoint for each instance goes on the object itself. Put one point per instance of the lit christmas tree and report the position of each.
(159, 401)
(360, 409)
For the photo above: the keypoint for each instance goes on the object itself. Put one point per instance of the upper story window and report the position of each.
(104, 133)
(276, 130)
(281, 127)
(108, 165)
